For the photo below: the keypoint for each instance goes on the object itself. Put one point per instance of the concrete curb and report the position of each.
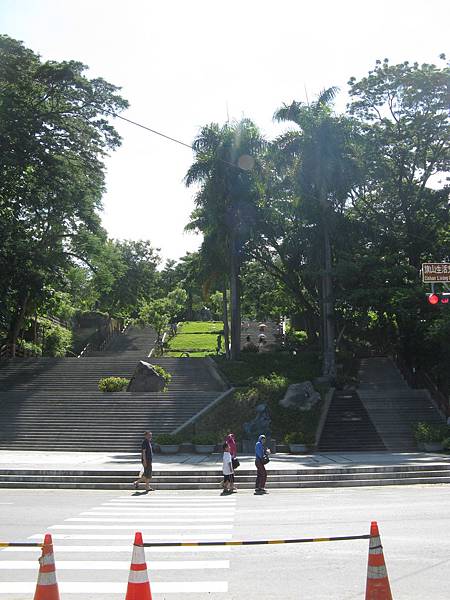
(323, 416)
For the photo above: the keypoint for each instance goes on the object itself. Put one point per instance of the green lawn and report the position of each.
(198, 338)
(200, 327)
(178, 354)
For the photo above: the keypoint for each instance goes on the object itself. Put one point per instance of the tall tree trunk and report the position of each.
(235, 299)
(226, 327)
(312, 324)
(328, 343)
(17, 322)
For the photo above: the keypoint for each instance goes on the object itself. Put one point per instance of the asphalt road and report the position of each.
(93, 532)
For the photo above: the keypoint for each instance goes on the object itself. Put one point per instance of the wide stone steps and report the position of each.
(66, 374)
(392, 406)
(347, 426)
(134, 341)
(251, 328)
(245, 479)
(55, 404)
(93, 420)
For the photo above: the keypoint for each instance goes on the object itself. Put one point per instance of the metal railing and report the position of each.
(108, 332)
(419, 379)
(6, 352)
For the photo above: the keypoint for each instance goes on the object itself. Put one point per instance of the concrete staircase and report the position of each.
(251, 328)
(134, 342)
(54, 403)
(93, 421)
(392, 406)
(245, 479)
(348, 426)
(62, 374)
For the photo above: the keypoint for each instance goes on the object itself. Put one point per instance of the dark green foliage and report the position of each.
(128, 277)
(34, 349)
(428, 432)
(113, 384)
(257, 387)
(167, 439)
(294, 437)
(206, 438)
(271, 387)
(54, 135)
(57, 340)
(164, 374)
(301, 367)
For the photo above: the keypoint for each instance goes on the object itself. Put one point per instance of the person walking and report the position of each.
(147, 462)
(261, 459)
(231, 441)
(227, 469)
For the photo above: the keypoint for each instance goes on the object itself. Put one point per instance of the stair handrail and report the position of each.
(88, 348)
(6, 352)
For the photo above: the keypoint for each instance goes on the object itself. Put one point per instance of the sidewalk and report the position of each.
(101, 461)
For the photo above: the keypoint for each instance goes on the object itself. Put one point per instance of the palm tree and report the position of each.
(225, 203)
(323, 160)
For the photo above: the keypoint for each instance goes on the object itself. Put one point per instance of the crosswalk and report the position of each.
(93, 548)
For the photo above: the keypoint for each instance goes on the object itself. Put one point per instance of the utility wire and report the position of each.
(168, 137)
(154, 131)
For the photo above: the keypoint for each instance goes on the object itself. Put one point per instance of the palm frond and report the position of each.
(327, 96)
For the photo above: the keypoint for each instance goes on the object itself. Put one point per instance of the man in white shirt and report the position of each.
(227, 470)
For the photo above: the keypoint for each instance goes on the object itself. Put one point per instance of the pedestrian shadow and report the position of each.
(137, 493)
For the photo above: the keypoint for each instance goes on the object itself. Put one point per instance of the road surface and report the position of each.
(93, 533)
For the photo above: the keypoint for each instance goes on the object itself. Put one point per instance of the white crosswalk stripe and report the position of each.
(119, 536)
(112, 565)
(85, 542)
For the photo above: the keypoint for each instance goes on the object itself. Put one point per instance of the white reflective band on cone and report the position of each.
(138, 556)
(138, 577)
(376, 572)
(47, 578)
(47, 559)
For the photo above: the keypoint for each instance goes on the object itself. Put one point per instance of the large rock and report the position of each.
(145, 379)
(302, 396)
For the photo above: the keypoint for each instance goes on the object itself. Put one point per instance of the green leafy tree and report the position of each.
(132, 276)
(160, 312)
(401, 211)
(323, 154)
(54, 134)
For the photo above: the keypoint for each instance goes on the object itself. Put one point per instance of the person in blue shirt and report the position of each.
(261, 474)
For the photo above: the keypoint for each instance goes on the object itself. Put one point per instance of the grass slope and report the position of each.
(264, 378)
(197, 338)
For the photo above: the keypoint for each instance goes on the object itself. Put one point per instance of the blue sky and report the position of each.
(185, 63)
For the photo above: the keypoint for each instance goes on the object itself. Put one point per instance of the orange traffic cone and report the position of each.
(138, 583)
(47, 586)
(377, 578)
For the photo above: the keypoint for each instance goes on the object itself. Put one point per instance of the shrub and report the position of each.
(57, 341)
(164, 374)
(205, 439)
(301, 367)
(167, 439)
(446, 443)
(428, 432)
(272, 387)
(31, 347)
(295, 437)
(113, 384)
